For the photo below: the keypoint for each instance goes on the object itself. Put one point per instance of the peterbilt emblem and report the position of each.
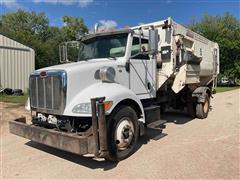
(43, 74)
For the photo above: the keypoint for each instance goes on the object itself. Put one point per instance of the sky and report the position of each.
(120, 13)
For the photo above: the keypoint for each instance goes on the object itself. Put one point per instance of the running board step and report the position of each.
(157, 124)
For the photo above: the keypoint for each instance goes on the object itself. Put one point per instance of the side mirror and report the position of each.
(68, 51)
(153, 41)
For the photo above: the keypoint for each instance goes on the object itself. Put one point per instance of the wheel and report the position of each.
(123, 133)
(17, 92)
(202, 109)
(8, 91)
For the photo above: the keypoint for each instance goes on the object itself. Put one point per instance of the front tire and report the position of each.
(123, 133)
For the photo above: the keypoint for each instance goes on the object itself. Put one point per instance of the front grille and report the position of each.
(48, 93)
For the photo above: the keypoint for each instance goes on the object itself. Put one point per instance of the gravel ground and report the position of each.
(187, 148)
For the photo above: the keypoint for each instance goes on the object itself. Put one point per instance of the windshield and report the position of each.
(109, 46)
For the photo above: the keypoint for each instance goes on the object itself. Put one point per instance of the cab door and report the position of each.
(142, 70)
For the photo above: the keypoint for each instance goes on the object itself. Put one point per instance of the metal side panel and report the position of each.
(65, 141)
(193, 74)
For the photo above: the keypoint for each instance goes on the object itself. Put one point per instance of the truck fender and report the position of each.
(200, 93)
(114, 92)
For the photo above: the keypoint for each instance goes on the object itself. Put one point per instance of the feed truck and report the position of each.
(119, 84)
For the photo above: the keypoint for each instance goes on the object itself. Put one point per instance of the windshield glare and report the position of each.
(109, 46)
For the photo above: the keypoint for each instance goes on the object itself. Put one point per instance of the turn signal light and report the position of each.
(107, 105)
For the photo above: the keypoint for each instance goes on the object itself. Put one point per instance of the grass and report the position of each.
(226, 88)
(14, 99)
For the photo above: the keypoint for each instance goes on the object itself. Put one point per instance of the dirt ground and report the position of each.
(186, 148)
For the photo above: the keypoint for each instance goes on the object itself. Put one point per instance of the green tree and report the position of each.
(24, 26)
(225, 30)
(73, 26)
(33, 30)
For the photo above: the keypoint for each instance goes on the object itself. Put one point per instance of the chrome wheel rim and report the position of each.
(124, 133)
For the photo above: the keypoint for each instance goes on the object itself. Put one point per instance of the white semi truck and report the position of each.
(120, 83)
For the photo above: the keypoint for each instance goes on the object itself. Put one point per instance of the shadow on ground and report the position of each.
(177, 118)
(89, 162)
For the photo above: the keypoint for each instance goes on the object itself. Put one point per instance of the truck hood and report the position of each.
(80, 75)
(81, 65)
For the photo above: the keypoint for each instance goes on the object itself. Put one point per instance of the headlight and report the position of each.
(85, 108)
(107, 74)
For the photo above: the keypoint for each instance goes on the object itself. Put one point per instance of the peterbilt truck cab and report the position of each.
(117, 85)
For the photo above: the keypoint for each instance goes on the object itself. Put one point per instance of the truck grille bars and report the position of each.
(48, 91)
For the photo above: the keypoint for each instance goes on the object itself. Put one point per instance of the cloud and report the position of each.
(169, 1)
(107, 25)
(10, 4)
(85, 3)
(81, 3)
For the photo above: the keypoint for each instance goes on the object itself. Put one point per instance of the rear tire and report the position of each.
(123, 133)
(202, 109)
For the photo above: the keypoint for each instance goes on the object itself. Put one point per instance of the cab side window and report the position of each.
(136, 49)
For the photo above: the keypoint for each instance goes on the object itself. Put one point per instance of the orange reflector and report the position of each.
(107, 105)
